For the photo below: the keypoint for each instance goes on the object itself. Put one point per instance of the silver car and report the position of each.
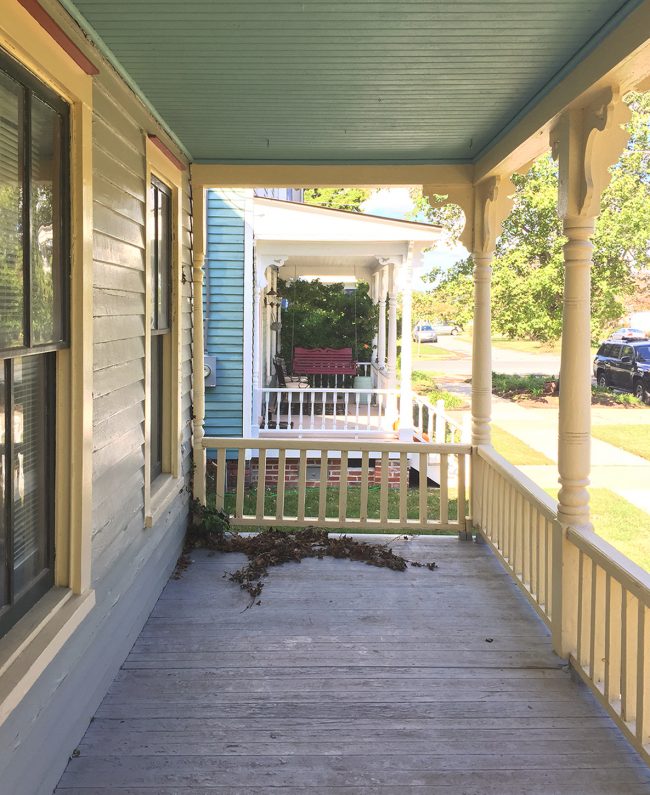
(424, 332)
(446, 328)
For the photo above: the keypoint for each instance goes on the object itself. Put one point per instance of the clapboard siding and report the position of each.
(224, 310)
(130, 563)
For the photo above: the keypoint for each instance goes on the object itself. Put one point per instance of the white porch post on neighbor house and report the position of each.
(406, 397)
(374, 295)
(259, 286)
(268, 351)
(391, 343)
(586, 142)
(381, 331)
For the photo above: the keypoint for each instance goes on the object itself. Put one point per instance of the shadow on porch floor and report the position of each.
(351, 679)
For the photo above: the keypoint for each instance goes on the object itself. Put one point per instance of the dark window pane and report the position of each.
(155, 446)
(47, 282)
(153, 251)
(164, 258)
(31, 470)
(4, 536)
(11, 210)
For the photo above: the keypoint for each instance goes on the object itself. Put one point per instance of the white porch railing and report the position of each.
(294, 482)
(311, 411)
(595, 600)
(432, 423)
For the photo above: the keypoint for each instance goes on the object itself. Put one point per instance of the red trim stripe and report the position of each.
(167, 152)
(34, 9)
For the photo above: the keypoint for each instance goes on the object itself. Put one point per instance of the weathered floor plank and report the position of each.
(351, 679)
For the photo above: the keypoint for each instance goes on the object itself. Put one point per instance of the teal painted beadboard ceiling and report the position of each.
(344, 80)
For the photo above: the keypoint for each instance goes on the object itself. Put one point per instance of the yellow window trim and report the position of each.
(157, 498)
(32, 643)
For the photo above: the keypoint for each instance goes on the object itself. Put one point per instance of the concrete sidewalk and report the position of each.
(611, 467)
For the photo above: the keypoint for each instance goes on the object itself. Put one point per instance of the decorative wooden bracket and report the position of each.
(586, 142)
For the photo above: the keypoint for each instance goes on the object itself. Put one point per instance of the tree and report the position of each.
(337, 198)
(528, 268)
(326, 316)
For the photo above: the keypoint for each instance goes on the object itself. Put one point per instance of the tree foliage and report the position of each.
(528, 266)
(325, 316)
(337, 198)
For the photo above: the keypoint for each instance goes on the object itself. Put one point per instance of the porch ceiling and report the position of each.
(355, 81)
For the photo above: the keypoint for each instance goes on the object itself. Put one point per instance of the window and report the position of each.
(163, 477)
(34, 275)
(161, 281)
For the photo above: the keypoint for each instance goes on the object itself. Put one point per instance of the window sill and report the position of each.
(29, 647)
(163, 491)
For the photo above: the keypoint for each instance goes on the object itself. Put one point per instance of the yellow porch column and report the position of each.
(492, 203)
(586, 142)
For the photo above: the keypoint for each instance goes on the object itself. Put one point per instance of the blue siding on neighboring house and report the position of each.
(224, 310)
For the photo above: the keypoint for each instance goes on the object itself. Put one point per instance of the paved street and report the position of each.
(503, 361)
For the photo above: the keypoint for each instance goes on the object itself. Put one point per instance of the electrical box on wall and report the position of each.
(210, 370)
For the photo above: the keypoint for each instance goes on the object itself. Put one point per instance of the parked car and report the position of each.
(627, 334)
(424, 332)
(446, 328)
(625, 366)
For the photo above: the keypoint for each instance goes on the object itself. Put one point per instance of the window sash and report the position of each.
(35, 95)
(28, 472)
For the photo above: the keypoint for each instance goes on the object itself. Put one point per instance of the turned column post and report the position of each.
(585, 142)
(391, 353)
(381, 331)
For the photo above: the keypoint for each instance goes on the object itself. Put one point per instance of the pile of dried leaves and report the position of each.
(211, 530)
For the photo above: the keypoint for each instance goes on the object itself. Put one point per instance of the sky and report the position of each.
(397, 203)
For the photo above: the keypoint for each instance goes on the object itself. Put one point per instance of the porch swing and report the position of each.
(323, 361)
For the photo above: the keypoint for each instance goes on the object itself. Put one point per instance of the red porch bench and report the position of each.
(323, 361)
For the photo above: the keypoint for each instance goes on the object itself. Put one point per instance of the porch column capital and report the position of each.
(586, 142)
(273, 261)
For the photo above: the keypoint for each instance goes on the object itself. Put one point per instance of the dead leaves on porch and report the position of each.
(268, 548)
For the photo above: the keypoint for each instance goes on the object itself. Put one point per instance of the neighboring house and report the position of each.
(254, 240)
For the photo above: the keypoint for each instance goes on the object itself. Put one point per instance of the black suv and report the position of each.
(624, 365)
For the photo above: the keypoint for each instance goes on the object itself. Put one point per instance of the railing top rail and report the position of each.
(321, 389)
(547, 505)
(631, 576)
(377, 446)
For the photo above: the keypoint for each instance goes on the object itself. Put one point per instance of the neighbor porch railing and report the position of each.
(595, 601)
(325, 410)
(432, 423)
(295, 483)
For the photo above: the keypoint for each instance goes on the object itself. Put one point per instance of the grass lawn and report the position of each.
(427, 351)
(621, 524)
(514, 450)
(353, 503)
(525, 346)
(633, 438)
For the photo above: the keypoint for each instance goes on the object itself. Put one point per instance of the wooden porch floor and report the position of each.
(351, 679)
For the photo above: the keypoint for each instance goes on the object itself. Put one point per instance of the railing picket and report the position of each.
(343, 489)
(267, 401)
(322, 488)
(300, 410)
(356, 411)
(592, 618)
(422, 489)
(261, 484)
(279, 500)
(363, 494)
(346, 400)
(462, 475)
(444, 490)
(302, 485)
(312, 413)
(241, 483)
(289, 403)
(641, 676)
(383, 492)
(403, 488)
(580, 617)
(220, 479)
